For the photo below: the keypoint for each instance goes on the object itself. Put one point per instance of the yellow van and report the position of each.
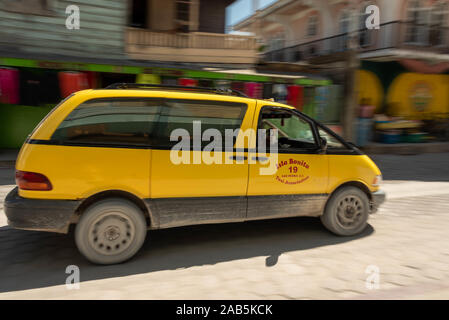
(128, 158)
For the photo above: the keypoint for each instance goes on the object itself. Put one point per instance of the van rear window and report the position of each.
(145, 121)
(110, 121)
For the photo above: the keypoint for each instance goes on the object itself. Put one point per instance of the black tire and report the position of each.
(346, 212)
(110, 231)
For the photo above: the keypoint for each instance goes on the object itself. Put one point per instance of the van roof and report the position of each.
(169, 91)
(176, 87)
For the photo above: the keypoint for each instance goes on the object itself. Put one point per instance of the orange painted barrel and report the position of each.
(9, 86)
(92, 79)
(187, 82)
(295, 96)
(70, 82)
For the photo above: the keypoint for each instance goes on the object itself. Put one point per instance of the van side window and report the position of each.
(119, 121)
(293, 132)
(180, 114)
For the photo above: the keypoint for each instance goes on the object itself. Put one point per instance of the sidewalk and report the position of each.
(8, 157)
(406, 148)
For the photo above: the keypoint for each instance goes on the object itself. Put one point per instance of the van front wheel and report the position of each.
(110, 231)
(346, 213)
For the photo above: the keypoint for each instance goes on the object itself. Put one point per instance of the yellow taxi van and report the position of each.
(106, 161)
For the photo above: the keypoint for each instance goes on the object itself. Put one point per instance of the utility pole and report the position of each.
(254, 9)
(352, 65)
(256, 29)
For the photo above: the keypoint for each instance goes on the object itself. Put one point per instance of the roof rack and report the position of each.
(124, 85)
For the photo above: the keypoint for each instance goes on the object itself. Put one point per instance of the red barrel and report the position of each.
(70, 82)
(187, 82)
(295, 96)
(9, 86)
(253, 90)
(92, 79)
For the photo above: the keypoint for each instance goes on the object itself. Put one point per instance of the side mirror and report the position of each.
(323, 145)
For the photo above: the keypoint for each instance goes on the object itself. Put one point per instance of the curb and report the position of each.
(406, 148)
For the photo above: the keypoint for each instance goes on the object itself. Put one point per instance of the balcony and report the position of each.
(192, 47)
(391, 35)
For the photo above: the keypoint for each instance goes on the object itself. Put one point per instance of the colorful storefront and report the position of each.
(31, 88)
(408, 104)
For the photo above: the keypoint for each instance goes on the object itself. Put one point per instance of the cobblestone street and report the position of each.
(296, 258)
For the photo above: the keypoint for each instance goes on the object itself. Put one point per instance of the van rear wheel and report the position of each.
(110, 231)
(347, 211)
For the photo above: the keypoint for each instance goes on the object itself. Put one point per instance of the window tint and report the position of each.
(293, 131)
(110, 121)
(180, 114)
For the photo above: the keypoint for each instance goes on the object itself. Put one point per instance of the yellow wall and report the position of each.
(370, 88)
(416, 95)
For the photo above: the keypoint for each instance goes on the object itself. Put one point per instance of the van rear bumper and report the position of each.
(38, 214)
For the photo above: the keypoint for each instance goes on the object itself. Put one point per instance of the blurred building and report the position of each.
(146, 41)
(403, 65)
(158, 30)
(185, 31)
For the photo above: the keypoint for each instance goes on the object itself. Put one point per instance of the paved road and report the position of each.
(407, 241)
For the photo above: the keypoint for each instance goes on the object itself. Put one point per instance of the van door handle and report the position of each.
(259, 158)
(238, 157)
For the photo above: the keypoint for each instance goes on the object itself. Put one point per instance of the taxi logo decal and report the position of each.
(292, 171)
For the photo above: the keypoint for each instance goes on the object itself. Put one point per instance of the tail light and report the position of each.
(32, 181)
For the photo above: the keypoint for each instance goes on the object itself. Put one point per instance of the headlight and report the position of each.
(377, 181)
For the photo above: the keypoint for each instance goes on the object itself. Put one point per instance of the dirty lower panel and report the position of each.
(173, 212)
(280, 206)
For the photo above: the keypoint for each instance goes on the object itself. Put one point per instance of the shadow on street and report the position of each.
(31, 260)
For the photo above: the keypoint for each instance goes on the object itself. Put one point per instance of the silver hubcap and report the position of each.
(111, 234)
(350, 212)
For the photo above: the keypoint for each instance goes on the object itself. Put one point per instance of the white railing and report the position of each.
(194, 40)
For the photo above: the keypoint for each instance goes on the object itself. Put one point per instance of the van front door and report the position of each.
(296, 186)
